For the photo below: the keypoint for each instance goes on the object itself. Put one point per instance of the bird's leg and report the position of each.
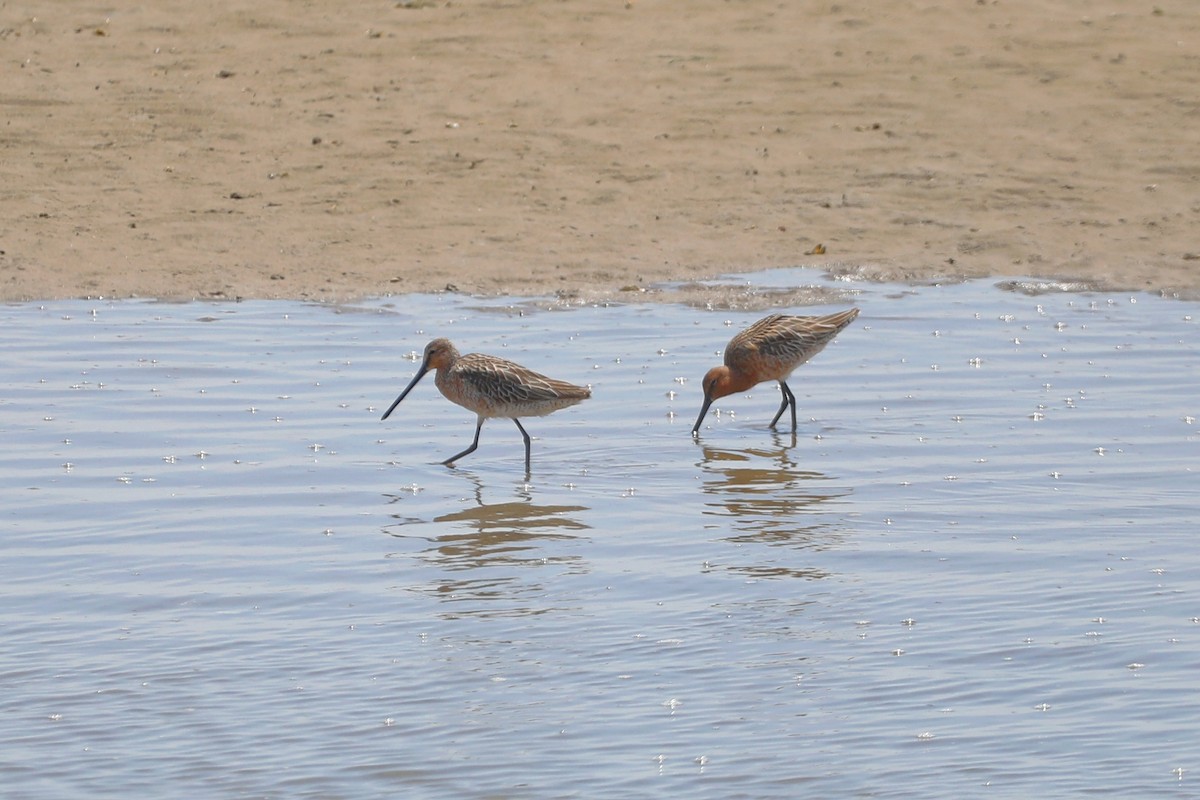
(526, 435)
(792, 400)
(450, 461)
(789, 399)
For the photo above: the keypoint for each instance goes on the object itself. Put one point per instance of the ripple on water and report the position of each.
(222, 571)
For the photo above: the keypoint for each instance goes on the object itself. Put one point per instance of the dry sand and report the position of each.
(330, 149)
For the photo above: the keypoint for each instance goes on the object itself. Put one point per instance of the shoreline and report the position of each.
(325, 153)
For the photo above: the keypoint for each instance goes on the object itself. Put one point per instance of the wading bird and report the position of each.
(768, 351)
(492, 387)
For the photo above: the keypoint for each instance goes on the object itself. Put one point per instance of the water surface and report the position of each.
(971, 572)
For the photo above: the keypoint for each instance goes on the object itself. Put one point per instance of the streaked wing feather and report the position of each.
(510, 383)
(786, 338)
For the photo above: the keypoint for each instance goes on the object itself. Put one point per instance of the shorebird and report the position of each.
(492, 387)
(768, 351)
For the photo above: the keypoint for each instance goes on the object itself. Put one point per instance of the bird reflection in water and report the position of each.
(497, 544)
(772, 501)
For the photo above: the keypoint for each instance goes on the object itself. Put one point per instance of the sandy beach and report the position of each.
(335, 149)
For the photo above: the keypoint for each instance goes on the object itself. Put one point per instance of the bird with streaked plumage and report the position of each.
(492, 387)
(769, 350)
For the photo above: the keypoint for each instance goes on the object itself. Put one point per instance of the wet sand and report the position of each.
(335, 149)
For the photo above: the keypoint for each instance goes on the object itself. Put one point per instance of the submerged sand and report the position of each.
(332, 149)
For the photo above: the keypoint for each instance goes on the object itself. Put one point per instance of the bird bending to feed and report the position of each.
(768, 351)
(492, 387)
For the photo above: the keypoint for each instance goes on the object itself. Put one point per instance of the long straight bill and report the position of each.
(420, 374)
(703, 411)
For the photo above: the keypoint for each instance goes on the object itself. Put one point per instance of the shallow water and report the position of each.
(971, 572)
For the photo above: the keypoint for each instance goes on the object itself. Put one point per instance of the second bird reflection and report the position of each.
(773, 502)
